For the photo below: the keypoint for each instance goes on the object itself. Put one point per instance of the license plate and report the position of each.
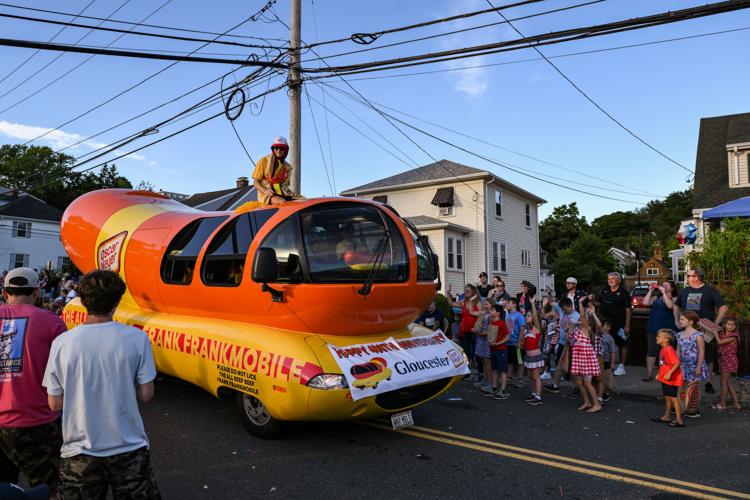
(401, 420)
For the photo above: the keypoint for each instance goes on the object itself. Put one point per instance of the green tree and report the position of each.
(586, 259)
(725, 260)
(563, 226)
(49, 176)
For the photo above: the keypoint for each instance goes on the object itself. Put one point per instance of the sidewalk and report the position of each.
(631, 384)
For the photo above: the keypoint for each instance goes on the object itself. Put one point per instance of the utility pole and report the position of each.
(295, 101)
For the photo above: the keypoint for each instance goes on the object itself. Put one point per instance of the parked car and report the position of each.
(636, 299)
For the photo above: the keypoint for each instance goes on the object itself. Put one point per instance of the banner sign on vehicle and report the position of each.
(383, 366)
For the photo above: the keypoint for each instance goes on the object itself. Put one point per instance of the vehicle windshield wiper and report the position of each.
(376, 262)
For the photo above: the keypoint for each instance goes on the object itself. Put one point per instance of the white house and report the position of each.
(29, 232)
(475, 221)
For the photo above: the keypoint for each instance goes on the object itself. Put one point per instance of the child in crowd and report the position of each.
(482, 350)
(569, 319)
(516, 324)
(670, 376)
(551, 338)
(497, 336)
(534, 358)
(609, 359)
(692, 352)
(584, 364)
(728, 342)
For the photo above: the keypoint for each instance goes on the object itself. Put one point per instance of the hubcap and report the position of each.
(255, 410)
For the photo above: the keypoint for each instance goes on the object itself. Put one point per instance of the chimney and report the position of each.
(242, 182)
(657, 251)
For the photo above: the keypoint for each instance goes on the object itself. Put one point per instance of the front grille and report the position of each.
(410, 396)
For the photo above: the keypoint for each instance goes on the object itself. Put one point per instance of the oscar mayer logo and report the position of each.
(108, 254)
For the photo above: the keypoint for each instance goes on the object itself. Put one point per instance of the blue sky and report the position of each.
(660, 91)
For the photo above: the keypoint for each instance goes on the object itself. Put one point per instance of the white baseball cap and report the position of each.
(24, 278)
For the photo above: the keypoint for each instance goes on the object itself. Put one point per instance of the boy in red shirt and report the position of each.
(498, 337)
(30, 435)
(670, 376)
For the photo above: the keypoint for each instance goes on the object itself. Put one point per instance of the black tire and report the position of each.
(255, 417)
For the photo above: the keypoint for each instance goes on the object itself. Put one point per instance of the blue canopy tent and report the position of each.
(735, 208)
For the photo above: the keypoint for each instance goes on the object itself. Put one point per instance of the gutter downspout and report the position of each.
(487, 243)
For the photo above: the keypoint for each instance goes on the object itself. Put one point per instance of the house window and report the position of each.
(21, 229)
(528, 214)
(455, 254)
(19, 260)
(443, 199)
(499, 262)
(62, 262)
(498, 203)
(652, 271)
(526, 258)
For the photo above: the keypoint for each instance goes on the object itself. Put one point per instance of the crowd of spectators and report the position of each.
(56, 289)
(587, 336)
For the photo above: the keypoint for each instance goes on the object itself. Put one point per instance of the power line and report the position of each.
(538, 40)
(168, 28)
(131, 31)
(30, 44)
(366, 38)
(325, 111)
(454, 32)
(153, 75)
(320, 144)
(497, 146)
(33, 54)
(558, 56)
(8, 108)
(59, 55)
(596, 104)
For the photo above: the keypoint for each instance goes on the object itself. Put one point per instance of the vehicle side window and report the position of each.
(283, 239)
(260, 217)
(178, 263)
(224, 262)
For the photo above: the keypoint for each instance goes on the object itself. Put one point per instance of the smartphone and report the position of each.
(460, 296)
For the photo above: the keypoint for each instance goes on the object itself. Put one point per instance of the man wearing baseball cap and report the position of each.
(572, 291)
(30, 434)
(272, 175)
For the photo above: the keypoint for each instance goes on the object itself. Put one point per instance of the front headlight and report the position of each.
(326, 381)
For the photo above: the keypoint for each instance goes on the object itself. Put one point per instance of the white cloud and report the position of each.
(57, 139)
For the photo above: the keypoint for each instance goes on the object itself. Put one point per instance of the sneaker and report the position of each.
(607, 396)
(545, 376)
(620, 370)
(486, 389)
(694, 414)
(501, 395)
(531, 398)
(478, 383)
(489, 393)
(535, 401)
(554, 389)
(710, 388)
(601, 400)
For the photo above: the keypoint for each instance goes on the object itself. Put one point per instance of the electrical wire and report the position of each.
(153, 75)
(33, 54)
(168, 28)
(71, 70)
(61, 54)
(325, 111)
(538, 40)
(454, 32)
(596, 104)
(558, 56)
(317, 136)
(69, 24)
(503, 148)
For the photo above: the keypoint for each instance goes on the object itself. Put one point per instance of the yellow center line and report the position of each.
(552, 460)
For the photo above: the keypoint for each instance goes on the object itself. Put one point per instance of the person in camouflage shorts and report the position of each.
(129, 474)
(35, 450)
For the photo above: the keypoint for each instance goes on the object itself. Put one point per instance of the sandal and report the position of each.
(674, 423)
(660, 420)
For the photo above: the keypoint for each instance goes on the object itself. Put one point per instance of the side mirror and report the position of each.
(265, 266)
(265, 270)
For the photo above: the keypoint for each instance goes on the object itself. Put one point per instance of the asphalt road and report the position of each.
(463, 445)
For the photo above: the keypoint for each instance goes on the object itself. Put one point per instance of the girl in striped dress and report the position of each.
(585, 365)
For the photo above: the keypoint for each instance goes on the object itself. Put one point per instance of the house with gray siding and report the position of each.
(475, 220)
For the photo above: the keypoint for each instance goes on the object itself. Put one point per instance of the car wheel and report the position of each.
(256, 417)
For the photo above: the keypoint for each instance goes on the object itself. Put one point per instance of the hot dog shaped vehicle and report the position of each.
(268, 305)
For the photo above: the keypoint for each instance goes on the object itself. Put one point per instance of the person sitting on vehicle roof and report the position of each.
(273, 174)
